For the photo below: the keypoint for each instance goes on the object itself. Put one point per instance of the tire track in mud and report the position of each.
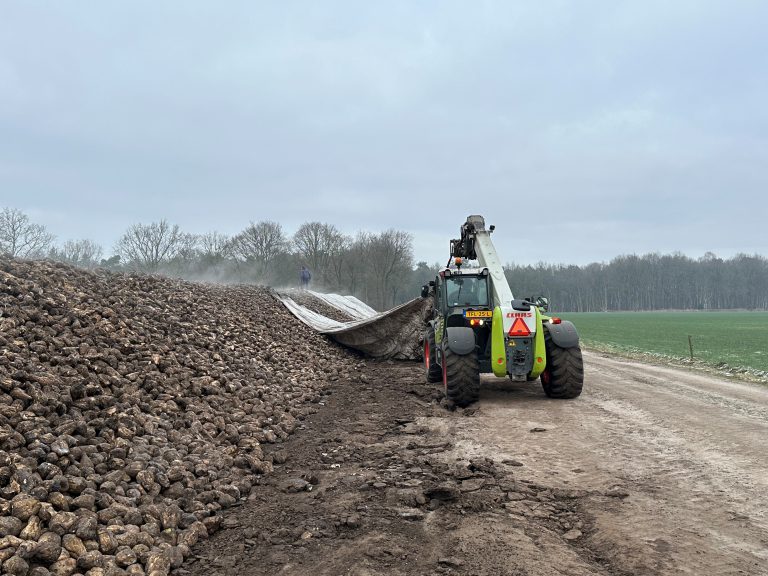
(691, 467)
(383, 479)
(369, 486)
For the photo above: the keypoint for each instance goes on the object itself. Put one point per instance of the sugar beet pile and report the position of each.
(133, 409)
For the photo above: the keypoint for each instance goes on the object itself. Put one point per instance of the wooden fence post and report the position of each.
(690, 345)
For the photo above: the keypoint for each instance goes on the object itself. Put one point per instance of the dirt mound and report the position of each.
(133, 409)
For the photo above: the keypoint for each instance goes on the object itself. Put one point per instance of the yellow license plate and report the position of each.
(479, 314)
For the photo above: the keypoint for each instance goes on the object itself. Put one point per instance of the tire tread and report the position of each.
(434, 373)
(566, 370)
(463, 378)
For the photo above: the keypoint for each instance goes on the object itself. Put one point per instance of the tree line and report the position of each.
(376, 267)
(648, 282)
(379, 267)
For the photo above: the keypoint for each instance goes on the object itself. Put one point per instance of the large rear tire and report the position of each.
(461, 378)
(564, 374)
(431, 368)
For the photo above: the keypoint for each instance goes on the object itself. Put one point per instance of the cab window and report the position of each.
(467, 291)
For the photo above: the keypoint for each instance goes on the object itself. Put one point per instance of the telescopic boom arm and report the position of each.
(475, 244)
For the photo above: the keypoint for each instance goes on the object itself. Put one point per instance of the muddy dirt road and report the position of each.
(651, 471)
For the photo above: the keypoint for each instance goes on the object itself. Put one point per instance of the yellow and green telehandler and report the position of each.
(477, 326)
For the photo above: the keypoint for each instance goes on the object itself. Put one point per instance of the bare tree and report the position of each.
(259, 244)
(379, 267)
(21, 238)
(214, 246)
(84, 253)
(317, 244)
(212, 258)
(148, 246)
(391, 258)
(339, 260)
(354, 265)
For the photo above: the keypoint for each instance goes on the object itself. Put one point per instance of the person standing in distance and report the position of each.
(304, 277)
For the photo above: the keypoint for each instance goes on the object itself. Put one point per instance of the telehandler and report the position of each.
(477, 326)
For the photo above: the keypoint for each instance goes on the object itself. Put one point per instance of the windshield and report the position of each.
(467, 291)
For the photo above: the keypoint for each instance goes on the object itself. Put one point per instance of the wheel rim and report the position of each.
(545, 377)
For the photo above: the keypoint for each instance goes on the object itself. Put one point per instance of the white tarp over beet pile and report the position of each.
(357, 309)
(395, 333)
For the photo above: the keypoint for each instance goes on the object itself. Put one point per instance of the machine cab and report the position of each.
(459, 290)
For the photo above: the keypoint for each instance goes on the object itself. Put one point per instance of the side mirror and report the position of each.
(521, 305)
(425, 291)
(540, 302)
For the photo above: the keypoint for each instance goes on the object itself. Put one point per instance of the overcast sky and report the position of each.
(582, 130)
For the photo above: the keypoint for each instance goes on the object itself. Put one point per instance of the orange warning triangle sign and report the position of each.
(519, 328)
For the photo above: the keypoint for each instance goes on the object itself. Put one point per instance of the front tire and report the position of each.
(564, 374)
(461, 378)
(432, 369)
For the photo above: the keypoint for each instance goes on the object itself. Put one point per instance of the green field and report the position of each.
(739, 339)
